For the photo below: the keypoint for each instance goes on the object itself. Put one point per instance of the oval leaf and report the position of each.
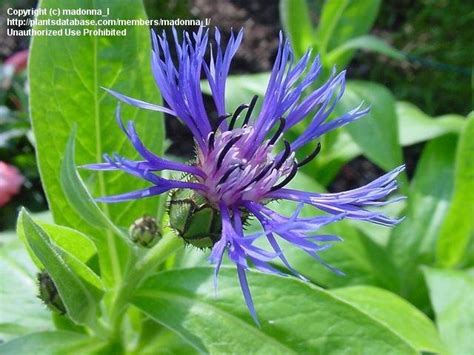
(184, 301)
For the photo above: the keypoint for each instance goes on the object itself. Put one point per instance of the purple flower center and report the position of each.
(236, 169)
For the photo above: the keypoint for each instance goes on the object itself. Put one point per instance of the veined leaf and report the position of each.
(397, 314)
(66, 75)
(74, 248)
(113, 247)
(184, 301)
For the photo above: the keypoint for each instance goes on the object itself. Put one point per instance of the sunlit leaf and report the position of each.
(65, 76)
(295, 16)
(452, 297)
(458, 228)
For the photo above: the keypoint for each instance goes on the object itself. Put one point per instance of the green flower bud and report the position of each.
(48, 293)
(194, 219)
(145, 232)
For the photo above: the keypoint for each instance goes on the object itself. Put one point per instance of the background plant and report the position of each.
(120, 297)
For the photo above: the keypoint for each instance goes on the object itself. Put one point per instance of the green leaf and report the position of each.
(415, 126)
(295, 17)
(396, 314)
(156, 339)
(343, 20)
(452, 297)
(413, 242)
(184, 301)
(378, 128)
(77, 297)
(21, 311)
(113, 249)
(70, 240)
(75, 248)
(458, 227)
(66, 75)
(76, 192)
(368, 42)
(53, 342)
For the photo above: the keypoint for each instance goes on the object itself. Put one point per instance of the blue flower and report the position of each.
(239, 165)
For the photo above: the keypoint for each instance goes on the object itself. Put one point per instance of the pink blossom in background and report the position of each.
(18, 60)
(10, 182)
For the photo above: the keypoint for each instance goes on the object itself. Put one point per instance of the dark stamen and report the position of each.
(227, 174)
(249, 111)
(263, 172)
(289, 177)
(210, 142)
(236, 115)
(284, 156)
(225, 150)
(259, 176)
(311, 156)
(278, 132)
(221, 119)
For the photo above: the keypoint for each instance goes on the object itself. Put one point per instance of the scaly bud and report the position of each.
(145, 232)
(48, 293)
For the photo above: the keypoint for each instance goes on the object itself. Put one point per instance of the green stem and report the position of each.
(138, 274)
(159, 253)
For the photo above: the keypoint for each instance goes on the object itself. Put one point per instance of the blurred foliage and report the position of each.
(437, 35)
